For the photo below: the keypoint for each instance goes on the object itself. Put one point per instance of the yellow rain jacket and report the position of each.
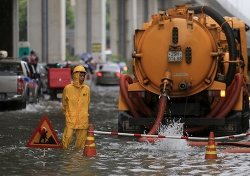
(75, 102)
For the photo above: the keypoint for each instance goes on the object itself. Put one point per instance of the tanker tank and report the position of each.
(190, 65)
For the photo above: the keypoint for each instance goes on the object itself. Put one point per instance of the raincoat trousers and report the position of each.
(75, 106)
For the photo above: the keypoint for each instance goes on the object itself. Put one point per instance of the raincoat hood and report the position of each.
(76, 73)
(79, 68)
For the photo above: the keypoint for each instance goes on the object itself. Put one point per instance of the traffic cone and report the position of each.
(89, 149)
(211, 148)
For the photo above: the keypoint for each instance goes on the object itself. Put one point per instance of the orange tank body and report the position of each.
(191, 55)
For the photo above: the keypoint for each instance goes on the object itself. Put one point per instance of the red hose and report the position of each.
(212, 113)
(145, 108)
(237, 150)
(161, 110)
(233, 98)
(124, 80)
(134, 104)
(233, 94)
(220, 103)
(140, 105)
(222, 108)
(199, 143)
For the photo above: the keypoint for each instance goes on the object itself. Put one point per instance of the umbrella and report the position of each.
(85, 56)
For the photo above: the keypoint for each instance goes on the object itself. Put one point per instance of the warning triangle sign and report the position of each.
(44, 136)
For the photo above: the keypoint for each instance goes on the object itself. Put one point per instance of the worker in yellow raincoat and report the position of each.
(75, 106)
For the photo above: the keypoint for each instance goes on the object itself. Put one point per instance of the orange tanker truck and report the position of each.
(190, 65)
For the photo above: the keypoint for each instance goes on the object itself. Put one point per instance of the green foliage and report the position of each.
(115, 58)
(69, 58)
(69, 15)
(108, 15)
(23, 20)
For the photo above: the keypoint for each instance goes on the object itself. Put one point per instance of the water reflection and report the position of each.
(75, 163)
(116, 155)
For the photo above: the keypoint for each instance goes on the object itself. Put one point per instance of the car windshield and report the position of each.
(110, 68)
(13, 67)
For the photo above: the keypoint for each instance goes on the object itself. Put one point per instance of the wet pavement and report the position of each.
(116, 155)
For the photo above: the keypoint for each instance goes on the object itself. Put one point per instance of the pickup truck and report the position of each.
(17, 88)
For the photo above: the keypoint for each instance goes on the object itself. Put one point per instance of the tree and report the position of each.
(23, 20)
(69, 15)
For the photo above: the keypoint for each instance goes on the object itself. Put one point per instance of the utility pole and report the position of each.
(89, 26)
(122, 29)
(45, 31)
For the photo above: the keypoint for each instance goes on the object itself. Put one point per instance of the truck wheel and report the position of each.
(53, 94)
(35, 99)
(22, 104)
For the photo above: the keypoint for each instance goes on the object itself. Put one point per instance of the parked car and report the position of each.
(107, 73)
(16, 85)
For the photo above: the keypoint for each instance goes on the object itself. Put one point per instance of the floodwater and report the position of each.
(116, 155)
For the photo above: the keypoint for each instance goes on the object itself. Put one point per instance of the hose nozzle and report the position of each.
(167, 84)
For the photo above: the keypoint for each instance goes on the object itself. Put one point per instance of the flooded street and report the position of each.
(116, 155)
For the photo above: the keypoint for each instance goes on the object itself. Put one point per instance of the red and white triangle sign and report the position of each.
(44, 136)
